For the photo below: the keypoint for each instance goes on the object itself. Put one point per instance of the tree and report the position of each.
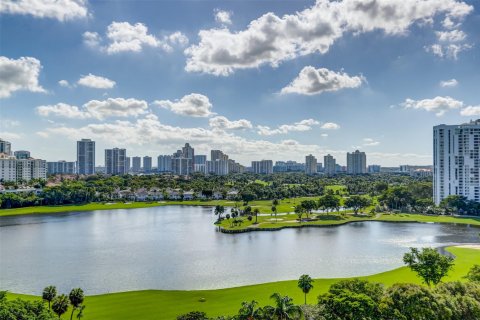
(256, 211)
(299, 210)
(329, 202)
(474, 273)
(357, 203)
(219, 210)
(274, 211)
(249, 311)
(194, 315)
(309, 206)
(454, 203)
(430, 265)
(275, 202)
(284, 308)
(60, 305)
(76, 298)
(305, 283)
(48, 294)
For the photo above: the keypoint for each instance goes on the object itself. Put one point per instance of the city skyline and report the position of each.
(143, 78)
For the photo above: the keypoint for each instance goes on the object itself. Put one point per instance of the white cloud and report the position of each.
(127, 37)
(194, 105)
(96, 82)
(330, 126)
(10, 135)
(91, 39)
(271, 39)
(64, 83)
(450, 51)
(471, 111)
(369, 142)
(313, 81)
(20, 74)
(9, 123)
(95, 109)
(439, 105)
(449, 83)
(223, 17)
(451, 36)
(56, 9)
(222, 123)
(304, 125)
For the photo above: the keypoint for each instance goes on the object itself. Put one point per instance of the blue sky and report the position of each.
(258, 79)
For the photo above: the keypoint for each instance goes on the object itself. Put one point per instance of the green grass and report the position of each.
(160, 304)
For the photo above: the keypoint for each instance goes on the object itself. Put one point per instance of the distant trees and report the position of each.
(357, 203)
(309, 206)
(430, 265)
(329, 202)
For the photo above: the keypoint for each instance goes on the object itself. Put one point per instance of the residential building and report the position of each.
(8, 167)
(310, 164)
(13, 169)
(356, 162)
(115, 161)
(217, 155)
(5, 147)
(164, 163)
(86, 156)
(147, 164)
(127, 164)
(288, 166)
(374, 168)
(330, 165)
(22, 154)
(189, 153)
(181, 166)
(263, 166)
(456, 161)
(61, 167)
(136, 164)
(200, 163)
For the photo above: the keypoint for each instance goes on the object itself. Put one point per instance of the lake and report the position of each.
(178, 247)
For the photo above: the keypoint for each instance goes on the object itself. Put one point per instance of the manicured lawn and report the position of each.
(159, 304)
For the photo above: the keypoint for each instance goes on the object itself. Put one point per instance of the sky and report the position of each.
(257, 79)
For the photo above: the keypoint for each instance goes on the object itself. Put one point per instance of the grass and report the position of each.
(161, 304)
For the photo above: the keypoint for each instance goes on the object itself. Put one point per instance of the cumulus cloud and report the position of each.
(304, 125)
(223, 17)
(56, 9)
(330, 126)
(438, 105)
(193, 105)
(64, 83)
(19, 74)
(271, 39)
(369, 142)
(450, 51)
(448, 83)
(313, 81)
(222, 123)
(451, 35)
(97, 82)
(95, 109)
(127, 37)
(470, 111)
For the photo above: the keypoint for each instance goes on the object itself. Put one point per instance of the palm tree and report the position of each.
(284, 308)
(60, 305)
(76, 299)
(249, 311)
(49, 294)
(219, 210)
(80, 312)
(274, 211)
(306, 284)
(256, 212)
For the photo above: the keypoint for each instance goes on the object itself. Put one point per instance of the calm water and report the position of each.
(179, 248)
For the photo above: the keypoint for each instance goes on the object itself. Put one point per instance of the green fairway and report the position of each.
(159, 304)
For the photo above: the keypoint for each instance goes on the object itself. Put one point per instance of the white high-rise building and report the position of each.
(86, 156)
(61, 167)
(330, 165)
(456, 161)
(263, 166)
(116, 161)
(356, 162)
(13, 169)
(164, 163)
(147, 164)
(5, 147)
(310, 164)
(136, 164)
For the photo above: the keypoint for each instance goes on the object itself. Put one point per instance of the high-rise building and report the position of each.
(22, 154)
(374, 168)
(456, 161)
(147, 164)
(262, 167)
(356, 162)
(136, 164)
(310, 164)
(8, 167)
(128, 164)
(183, 161)
(5, 147)
(61, 167)
(86, 156)
(115, 161)
(288, 166)
(189, 153)
(164, 163)
(217, 155)
(330, 165)
(13, 169)
(200, 163)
